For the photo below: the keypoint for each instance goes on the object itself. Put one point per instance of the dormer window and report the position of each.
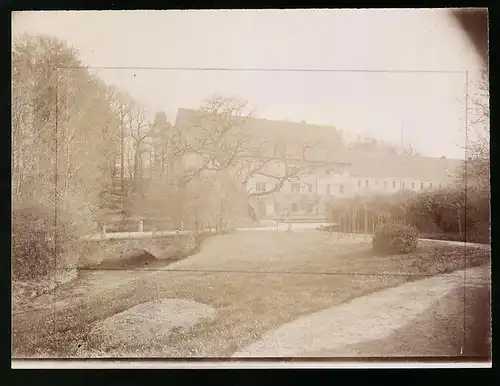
(295, 187)
(260, 186)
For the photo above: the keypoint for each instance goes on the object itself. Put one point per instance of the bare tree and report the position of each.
(65, 139)
(476, 168)
(120, 102)
(139, 131)
(222, 141)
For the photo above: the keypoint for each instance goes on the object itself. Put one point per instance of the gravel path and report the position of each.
(369, 318)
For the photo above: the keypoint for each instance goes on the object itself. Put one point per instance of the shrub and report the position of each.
(40, 245)
(395, 237)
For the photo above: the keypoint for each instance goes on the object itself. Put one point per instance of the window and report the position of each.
(402, 184)
(279, 150)
(367, 183)
(385, 184)
(430, 185)
(277, 207)
(309, 188)
(327, 189)
(327, 209)
(413, 185)
(341, 189)
(277, 187)
(260, 186)
(295, 187)
(310, 208)
(359, 183)
(421, 185)
(295, 207)
(261, 209)
(394, 184)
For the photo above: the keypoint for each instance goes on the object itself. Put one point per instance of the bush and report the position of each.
(395, 237)
(40, 245)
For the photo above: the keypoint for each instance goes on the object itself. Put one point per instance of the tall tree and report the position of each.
(476, 169)
(64, 133)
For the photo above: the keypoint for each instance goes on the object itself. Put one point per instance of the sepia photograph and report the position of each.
(241, 187)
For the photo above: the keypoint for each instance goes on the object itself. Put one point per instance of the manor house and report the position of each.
(325, 168)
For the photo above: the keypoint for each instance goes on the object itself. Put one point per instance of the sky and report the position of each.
(428, 108)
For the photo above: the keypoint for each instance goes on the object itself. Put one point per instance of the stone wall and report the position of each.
(96, 252)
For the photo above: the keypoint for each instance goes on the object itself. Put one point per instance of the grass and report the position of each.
(255, 280)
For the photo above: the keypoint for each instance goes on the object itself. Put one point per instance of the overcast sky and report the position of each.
(429, 106)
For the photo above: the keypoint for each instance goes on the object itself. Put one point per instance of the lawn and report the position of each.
(256, 281)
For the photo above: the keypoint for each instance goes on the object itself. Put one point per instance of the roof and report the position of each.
(290, 133)
(366, 164)
(328, 149)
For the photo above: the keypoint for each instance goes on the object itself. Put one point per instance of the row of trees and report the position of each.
(448, 213)
(62, 129)
(80, 146)
(457, 212)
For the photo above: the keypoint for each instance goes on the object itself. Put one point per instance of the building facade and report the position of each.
(312, 193)
(327, 169)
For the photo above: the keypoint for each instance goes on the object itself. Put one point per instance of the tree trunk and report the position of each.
(122, 159)
(366, 222)
(151, 165)
(358, 222)
(459, 223)
(66, 177)
(351, 222)
(162, 162)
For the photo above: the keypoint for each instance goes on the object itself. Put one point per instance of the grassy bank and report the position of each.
(255, 281)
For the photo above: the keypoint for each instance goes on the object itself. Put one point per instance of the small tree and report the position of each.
(395, 237)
